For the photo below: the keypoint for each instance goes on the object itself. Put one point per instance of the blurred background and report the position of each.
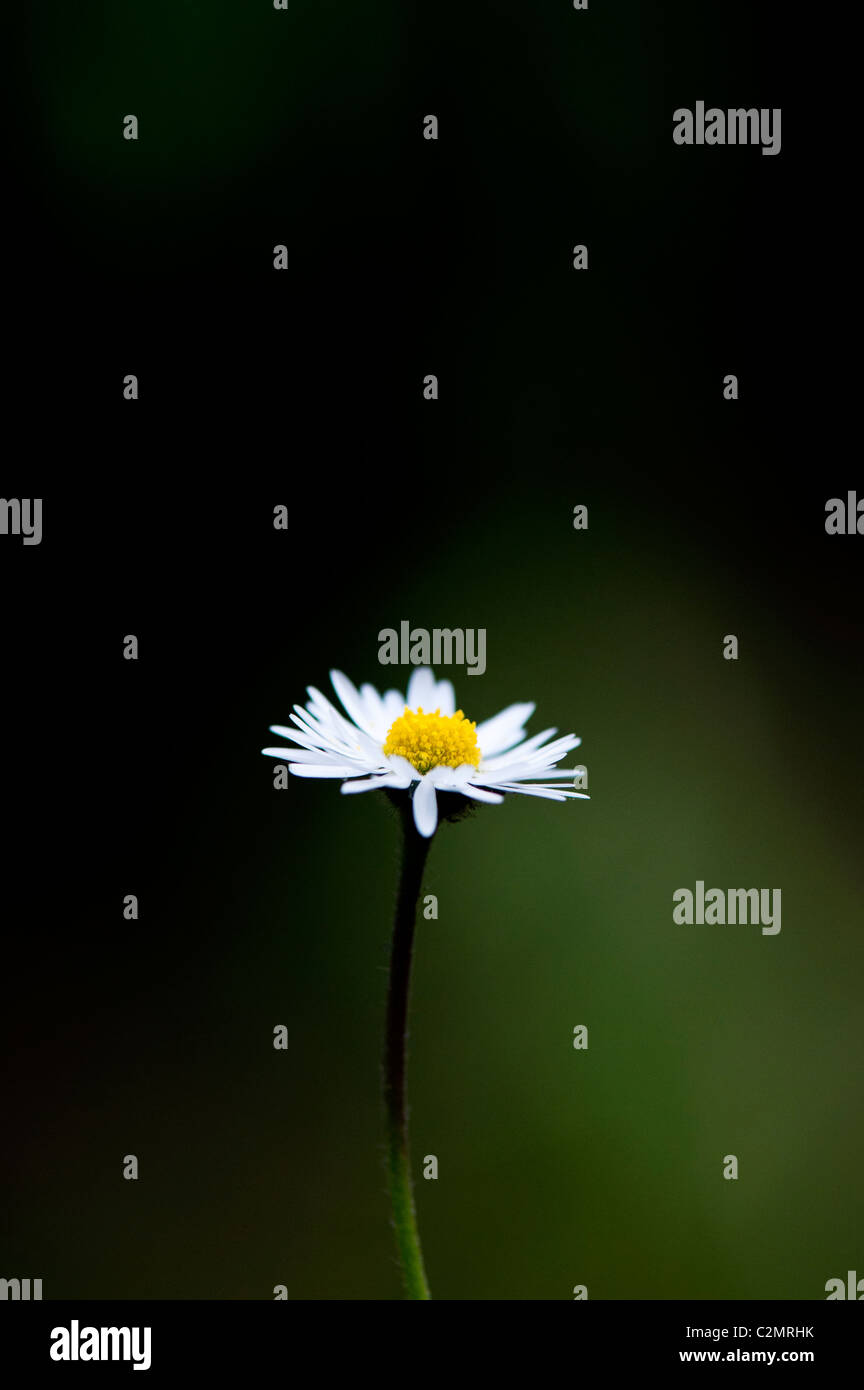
(261, 907)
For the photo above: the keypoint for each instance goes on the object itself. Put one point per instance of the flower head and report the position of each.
(393, 742)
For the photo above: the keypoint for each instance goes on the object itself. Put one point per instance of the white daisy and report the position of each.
(392, 742)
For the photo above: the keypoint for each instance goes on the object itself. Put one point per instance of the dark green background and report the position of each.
(257, 908)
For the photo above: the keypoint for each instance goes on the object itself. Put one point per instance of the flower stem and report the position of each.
(415, 849)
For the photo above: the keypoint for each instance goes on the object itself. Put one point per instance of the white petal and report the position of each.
(545, 793)
(536, 764)
(404, 773)
(360, 749)
(445, 697)
(334, 751)
(319, 704)
(351, 700)
(330, 730)
(538, 789)
(502, 730)
(315, 741)
(299, 755)
(520, 750)
(481, 794)
(338, 734)
(444, 776)
(376, 719)
(322, 770)
(425, 807)
(444, 783)
(544, 773)
(394, 703)
(367, 784)
(308, 736)
(423, 691)
(321, 717)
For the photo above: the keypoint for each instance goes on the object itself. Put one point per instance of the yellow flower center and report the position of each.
(433, 740)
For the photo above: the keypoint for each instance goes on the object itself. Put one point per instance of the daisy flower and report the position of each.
(422, 744)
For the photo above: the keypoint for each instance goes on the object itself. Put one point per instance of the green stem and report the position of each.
(415, 849)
